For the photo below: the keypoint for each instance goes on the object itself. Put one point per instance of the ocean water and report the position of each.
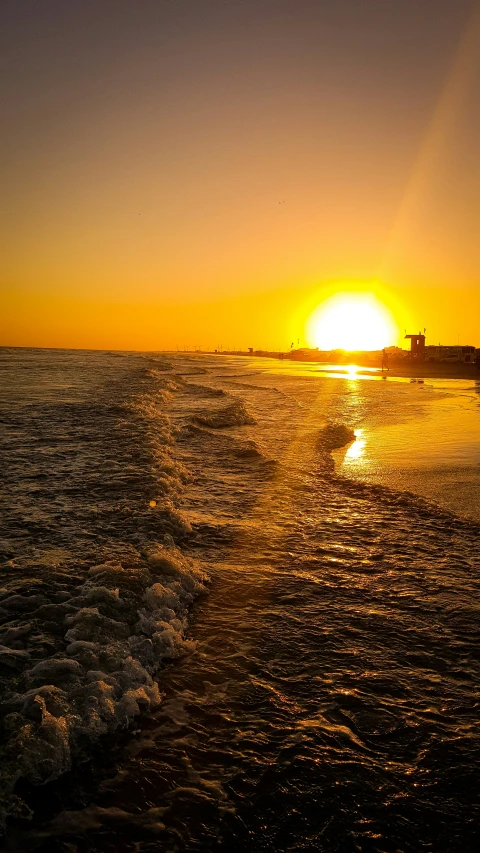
(225, 629)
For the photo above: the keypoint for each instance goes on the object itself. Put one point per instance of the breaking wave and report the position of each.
(335, 435)
(82, 639)
(120, 625)
(233, 415)
(203, 390)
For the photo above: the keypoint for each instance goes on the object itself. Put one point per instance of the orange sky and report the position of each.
(184, 176)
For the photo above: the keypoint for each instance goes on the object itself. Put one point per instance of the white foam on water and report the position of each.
(80, 647)
(121, 625)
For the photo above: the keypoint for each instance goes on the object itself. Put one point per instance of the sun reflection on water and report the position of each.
(356, 450)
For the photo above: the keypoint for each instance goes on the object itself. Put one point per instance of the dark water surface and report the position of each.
(330, 700)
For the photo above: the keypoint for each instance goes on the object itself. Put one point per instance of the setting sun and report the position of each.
(351, 321)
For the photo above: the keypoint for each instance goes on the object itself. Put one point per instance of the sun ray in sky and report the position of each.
(437, 140)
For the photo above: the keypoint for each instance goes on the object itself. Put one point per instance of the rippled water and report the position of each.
(331, 700)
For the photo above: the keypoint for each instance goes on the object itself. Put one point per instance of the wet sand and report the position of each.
(423, 370)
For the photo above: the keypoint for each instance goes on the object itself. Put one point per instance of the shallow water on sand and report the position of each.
(331, 700)
(424, 437)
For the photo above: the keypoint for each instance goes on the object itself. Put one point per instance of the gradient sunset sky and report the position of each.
(206, 172)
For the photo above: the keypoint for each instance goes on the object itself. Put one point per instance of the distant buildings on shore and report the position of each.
(419, 351)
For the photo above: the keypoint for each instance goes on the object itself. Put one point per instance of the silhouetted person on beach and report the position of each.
(385, 360)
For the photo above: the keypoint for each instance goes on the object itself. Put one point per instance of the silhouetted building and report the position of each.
(417, 347)
(458, 353)
(465, 354)
(396, 353)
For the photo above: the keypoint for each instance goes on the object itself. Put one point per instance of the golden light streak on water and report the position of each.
(356, 450)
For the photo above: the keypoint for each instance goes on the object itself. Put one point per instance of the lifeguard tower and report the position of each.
(417, 347)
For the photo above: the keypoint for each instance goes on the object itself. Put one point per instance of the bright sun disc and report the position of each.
(351, 321)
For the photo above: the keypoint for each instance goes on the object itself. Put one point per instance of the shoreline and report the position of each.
(429, 371)
(426, 370)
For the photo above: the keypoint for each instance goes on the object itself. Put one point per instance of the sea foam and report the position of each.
(119, 627)
(81, 644)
